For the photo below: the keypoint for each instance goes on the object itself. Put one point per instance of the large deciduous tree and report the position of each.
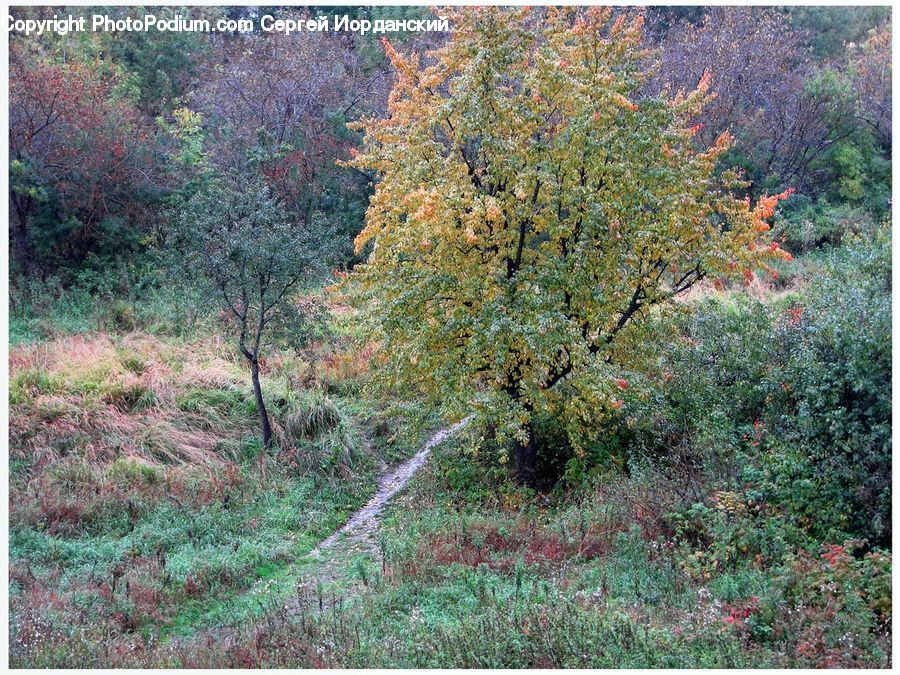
(531, 211)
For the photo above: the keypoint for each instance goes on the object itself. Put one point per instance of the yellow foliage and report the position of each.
(533, 205)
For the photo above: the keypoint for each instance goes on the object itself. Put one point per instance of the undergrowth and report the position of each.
(734, 514)
(142, 505)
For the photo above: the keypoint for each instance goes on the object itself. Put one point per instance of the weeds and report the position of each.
(136, 509)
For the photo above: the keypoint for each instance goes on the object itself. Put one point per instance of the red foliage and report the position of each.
(242, 657)
(81, 140)
(738, 613)
(835, 555)
(543, 548)
(192, 588)
(485, 544)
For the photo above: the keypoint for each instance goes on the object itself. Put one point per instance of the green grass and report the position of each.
(138, 496)
(493, 586)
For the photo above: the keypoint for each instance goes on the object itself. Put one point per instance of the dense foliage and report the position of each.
(789, 400)
(805, 91)
(528, 212)
(644, 251)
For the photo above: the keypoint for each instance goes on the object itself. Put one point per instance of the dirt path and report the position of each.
(355, 537)
(364, 522)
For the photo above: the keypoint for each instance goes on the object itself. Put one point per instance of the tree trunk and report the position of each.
(526, 459)
(261, 406)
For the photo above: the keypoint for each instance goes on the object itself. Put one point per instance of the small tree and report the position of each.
(531, 210)
(238, 242)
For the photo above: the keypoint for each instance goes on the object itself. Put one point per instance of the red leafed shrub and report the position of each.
(242, 657)
(146, 601)
(85, 145)
(485, 544)
(56, 513)
(543, 547)
(838, 607)
(737, 614)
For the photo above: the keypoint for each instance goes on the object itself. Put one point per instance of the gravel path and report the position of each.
(357, 536)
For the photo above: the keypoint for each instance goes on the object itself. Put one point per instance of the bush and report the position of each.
(834, 606)
(789, 403)
(828, 425)
(803, 224)
(691, 411)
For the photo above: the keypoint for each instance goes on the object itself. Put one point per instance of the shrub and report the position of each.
(803, 224)
(827, 427)
(735, 529)
(698, 401)
(788, 402)
(835, 607)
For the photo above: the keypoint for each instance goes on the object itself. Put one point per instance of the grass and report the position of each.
(464, 577)
(568, 584)
(124, 299)
(137, 503)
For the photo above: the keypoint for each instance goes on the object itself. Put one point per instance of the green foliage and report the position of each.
(706, 387)
(101, 297)
(833, 395)
(804, 224)
(734, 530)
(236, 242)
(726, 460)
(855, 171)
(829, 29)
(160, 64)
(789, 401)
